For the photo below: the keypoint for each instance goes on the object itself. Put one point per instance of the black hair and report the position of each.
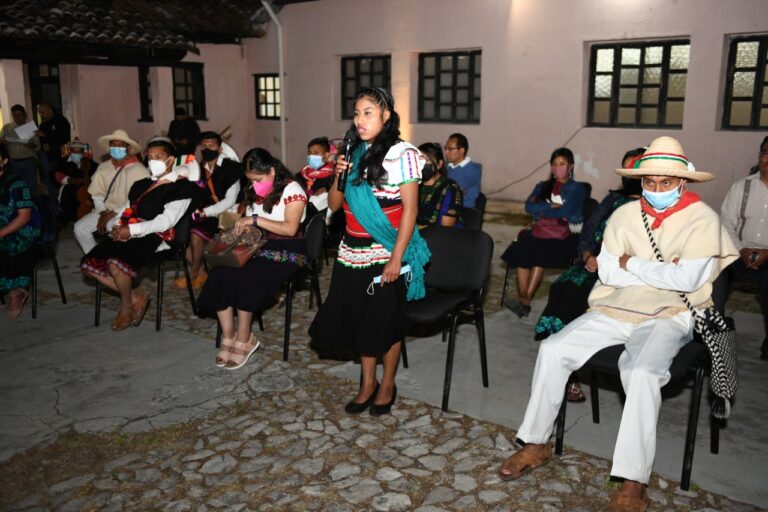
(549, 185)
(461, 141)
(3, 154)
(373, 160)
(261, 161)
(320, 141)
(434, 152)
(167, 146)
(211, 135)
(631, 186)
(18, 108)
(181, 111)
(765, 141)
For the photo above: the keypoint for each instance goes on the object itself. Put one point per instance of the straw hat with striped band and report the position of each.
(665, 157)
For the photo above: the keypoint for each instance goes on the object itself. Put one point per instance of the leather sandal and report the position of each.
(224, 352)
(16, 303)
(122, 321)
(524, 461)
(240, 352)
(139, 308)
(575, 394)
(624, 503)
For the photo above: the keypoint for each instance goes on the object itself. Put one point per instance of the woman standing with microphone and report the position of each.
(364, 313)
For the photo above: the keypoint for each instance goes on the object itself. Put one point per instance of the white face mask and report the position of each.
(157, 167)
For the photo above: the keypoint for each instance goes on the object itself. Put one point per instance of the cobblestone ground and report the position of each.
(291, 447)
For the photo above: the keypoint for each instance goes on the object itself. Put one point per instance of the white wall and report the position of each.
(534, 79)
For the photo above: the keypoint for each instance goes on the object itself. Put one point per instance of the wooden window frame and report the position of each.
(197, 84)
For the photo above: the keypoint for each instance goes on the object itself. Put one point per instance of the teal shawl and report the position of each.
(367, 211)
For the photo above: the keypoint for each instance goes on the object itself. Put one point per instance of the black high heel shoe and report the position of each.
(356, 408)
(380, 410)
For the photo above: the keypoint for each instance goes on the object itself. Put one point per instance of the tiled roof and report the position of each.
(168, 24)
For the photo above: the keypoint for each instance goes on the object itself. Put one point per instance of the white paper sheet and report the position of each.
(26, 131)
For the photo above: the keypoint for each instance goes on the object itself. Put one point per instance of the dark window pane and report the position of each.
(462, 97)
(462, 112)
(741, 113)
(445, 96)
(446, 63)
(601, 112)
(626, 116)
(677, 83)
(651, 95)
(627, 96)
(764, 118)
(428, 67)
(445, 112)
(652, 75)
(462, 62)
(428, 107)
(462, 80)
(649, 116)
(629, 76)
(675, 112)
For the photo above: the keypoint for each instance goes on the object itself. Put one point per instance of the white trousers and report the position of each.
(84, 229)
(644, 367)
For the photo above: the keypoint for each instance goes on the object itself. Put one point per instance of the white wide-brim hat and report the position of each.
(665, 157)
(122, 136)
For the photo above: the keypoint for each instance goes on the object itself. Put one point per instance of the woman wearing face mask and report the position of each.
(275, 203)
(146, 222)
(362, 315)
(440, 198)
(559, 197)
(73, 176)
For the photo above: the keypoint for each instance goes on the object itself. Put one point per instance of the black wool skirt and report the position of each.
(528, 251)
(352, 322)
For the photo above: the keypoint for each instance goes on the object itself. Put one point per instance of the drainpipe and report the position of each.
(281, 74)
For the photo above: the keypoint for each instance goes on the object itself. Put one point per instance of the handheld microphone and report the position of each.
(349, 138)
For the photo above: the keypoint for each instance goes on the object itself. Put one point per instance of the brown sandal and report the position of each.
(241, 352)
(224, 351)
(624, 503)
(139, 308)
(575, 394)
(121, 321)
(524, 461)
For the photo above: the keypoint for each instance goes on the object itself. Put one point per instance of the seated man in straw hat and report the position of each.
(637, 304)
(109, 187)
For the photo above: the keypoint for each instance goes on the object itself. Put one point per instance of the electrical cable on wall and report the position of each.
(505, 187)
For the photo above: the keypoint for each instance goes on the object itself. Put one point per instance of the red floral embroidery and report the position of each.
(295, 197)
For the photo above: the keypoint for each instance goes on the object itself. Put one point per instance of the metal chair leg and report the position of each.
(693, 421)
(190, 291)
(560, 424)
(593, 397)
(316, 288)
(97, 312)
(714, 434)
(404, 354)
(159, 313)
(218, 333)
(480, 324)
(57, 272)
(288, 308)
(504, 286)
(449, 361)
(34, 292)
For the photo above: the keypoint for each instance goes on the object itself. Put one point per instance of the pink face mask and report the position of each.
(263, 187)
(560, 171)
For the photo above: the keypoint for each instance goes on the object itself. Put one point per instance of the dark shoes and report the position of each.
(357, 408)
(518, 308)
(380, 410)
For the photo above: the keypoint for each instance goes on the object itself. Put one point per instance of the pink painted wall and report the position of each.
(535, 72)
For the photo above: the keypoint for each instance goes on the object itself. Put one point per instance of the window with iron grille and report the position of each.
(268, 104)
(189, 89)
(638, 84)
(145, 94)
(362, 71)
(745, 104)
(449, 87)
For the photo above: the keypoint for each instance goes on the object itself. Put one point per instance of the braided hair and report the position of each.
(373, 160)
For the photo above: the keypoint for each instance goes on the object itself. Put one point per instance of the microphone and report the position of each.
(349, 138)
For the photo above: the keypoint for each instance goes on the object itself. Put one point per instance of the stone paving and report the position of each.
(289, 446)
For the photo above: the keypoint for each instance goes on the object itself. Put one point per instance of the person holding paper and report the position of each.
(22, 150)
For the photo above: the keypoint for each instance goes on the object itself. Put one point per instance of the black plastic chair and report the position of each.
(314, 240)
(176, 254)
(692, 360)
(46, 248)
(473, 217)
(455, 278)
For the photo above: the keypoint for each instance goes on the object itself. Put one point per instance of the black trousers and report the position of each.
(736, 271)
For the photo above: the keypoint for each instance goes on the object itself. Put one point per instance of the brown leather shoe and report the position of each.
(121, 321)
(526, 459)
(624, 503)
(139, 307)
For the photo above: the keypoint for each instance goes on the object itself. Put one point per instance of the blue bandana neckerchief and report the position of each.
(367, 211)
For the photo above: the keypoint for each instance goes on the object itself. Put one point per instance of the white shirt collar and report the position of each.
(218, 162)
(460, 164)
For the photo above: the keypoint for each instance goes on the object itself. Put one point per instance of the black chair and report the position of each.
(692, 360)
(177, 254)
(46, 248)
(314, 239)
(473, 217)
(455, 278)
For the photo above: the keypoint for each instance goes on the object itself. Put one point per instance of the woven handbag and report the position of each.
(720, 340)
(229, 249)
(551, 228)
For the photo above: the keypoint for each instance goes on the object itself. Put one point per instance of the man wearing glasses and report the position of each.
(744, 214)
(462, 169)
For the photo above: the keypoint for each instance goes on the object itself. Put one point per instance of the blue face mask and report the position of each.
(76, 158)
(117, 153)
(662, 200)
(315, 161)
